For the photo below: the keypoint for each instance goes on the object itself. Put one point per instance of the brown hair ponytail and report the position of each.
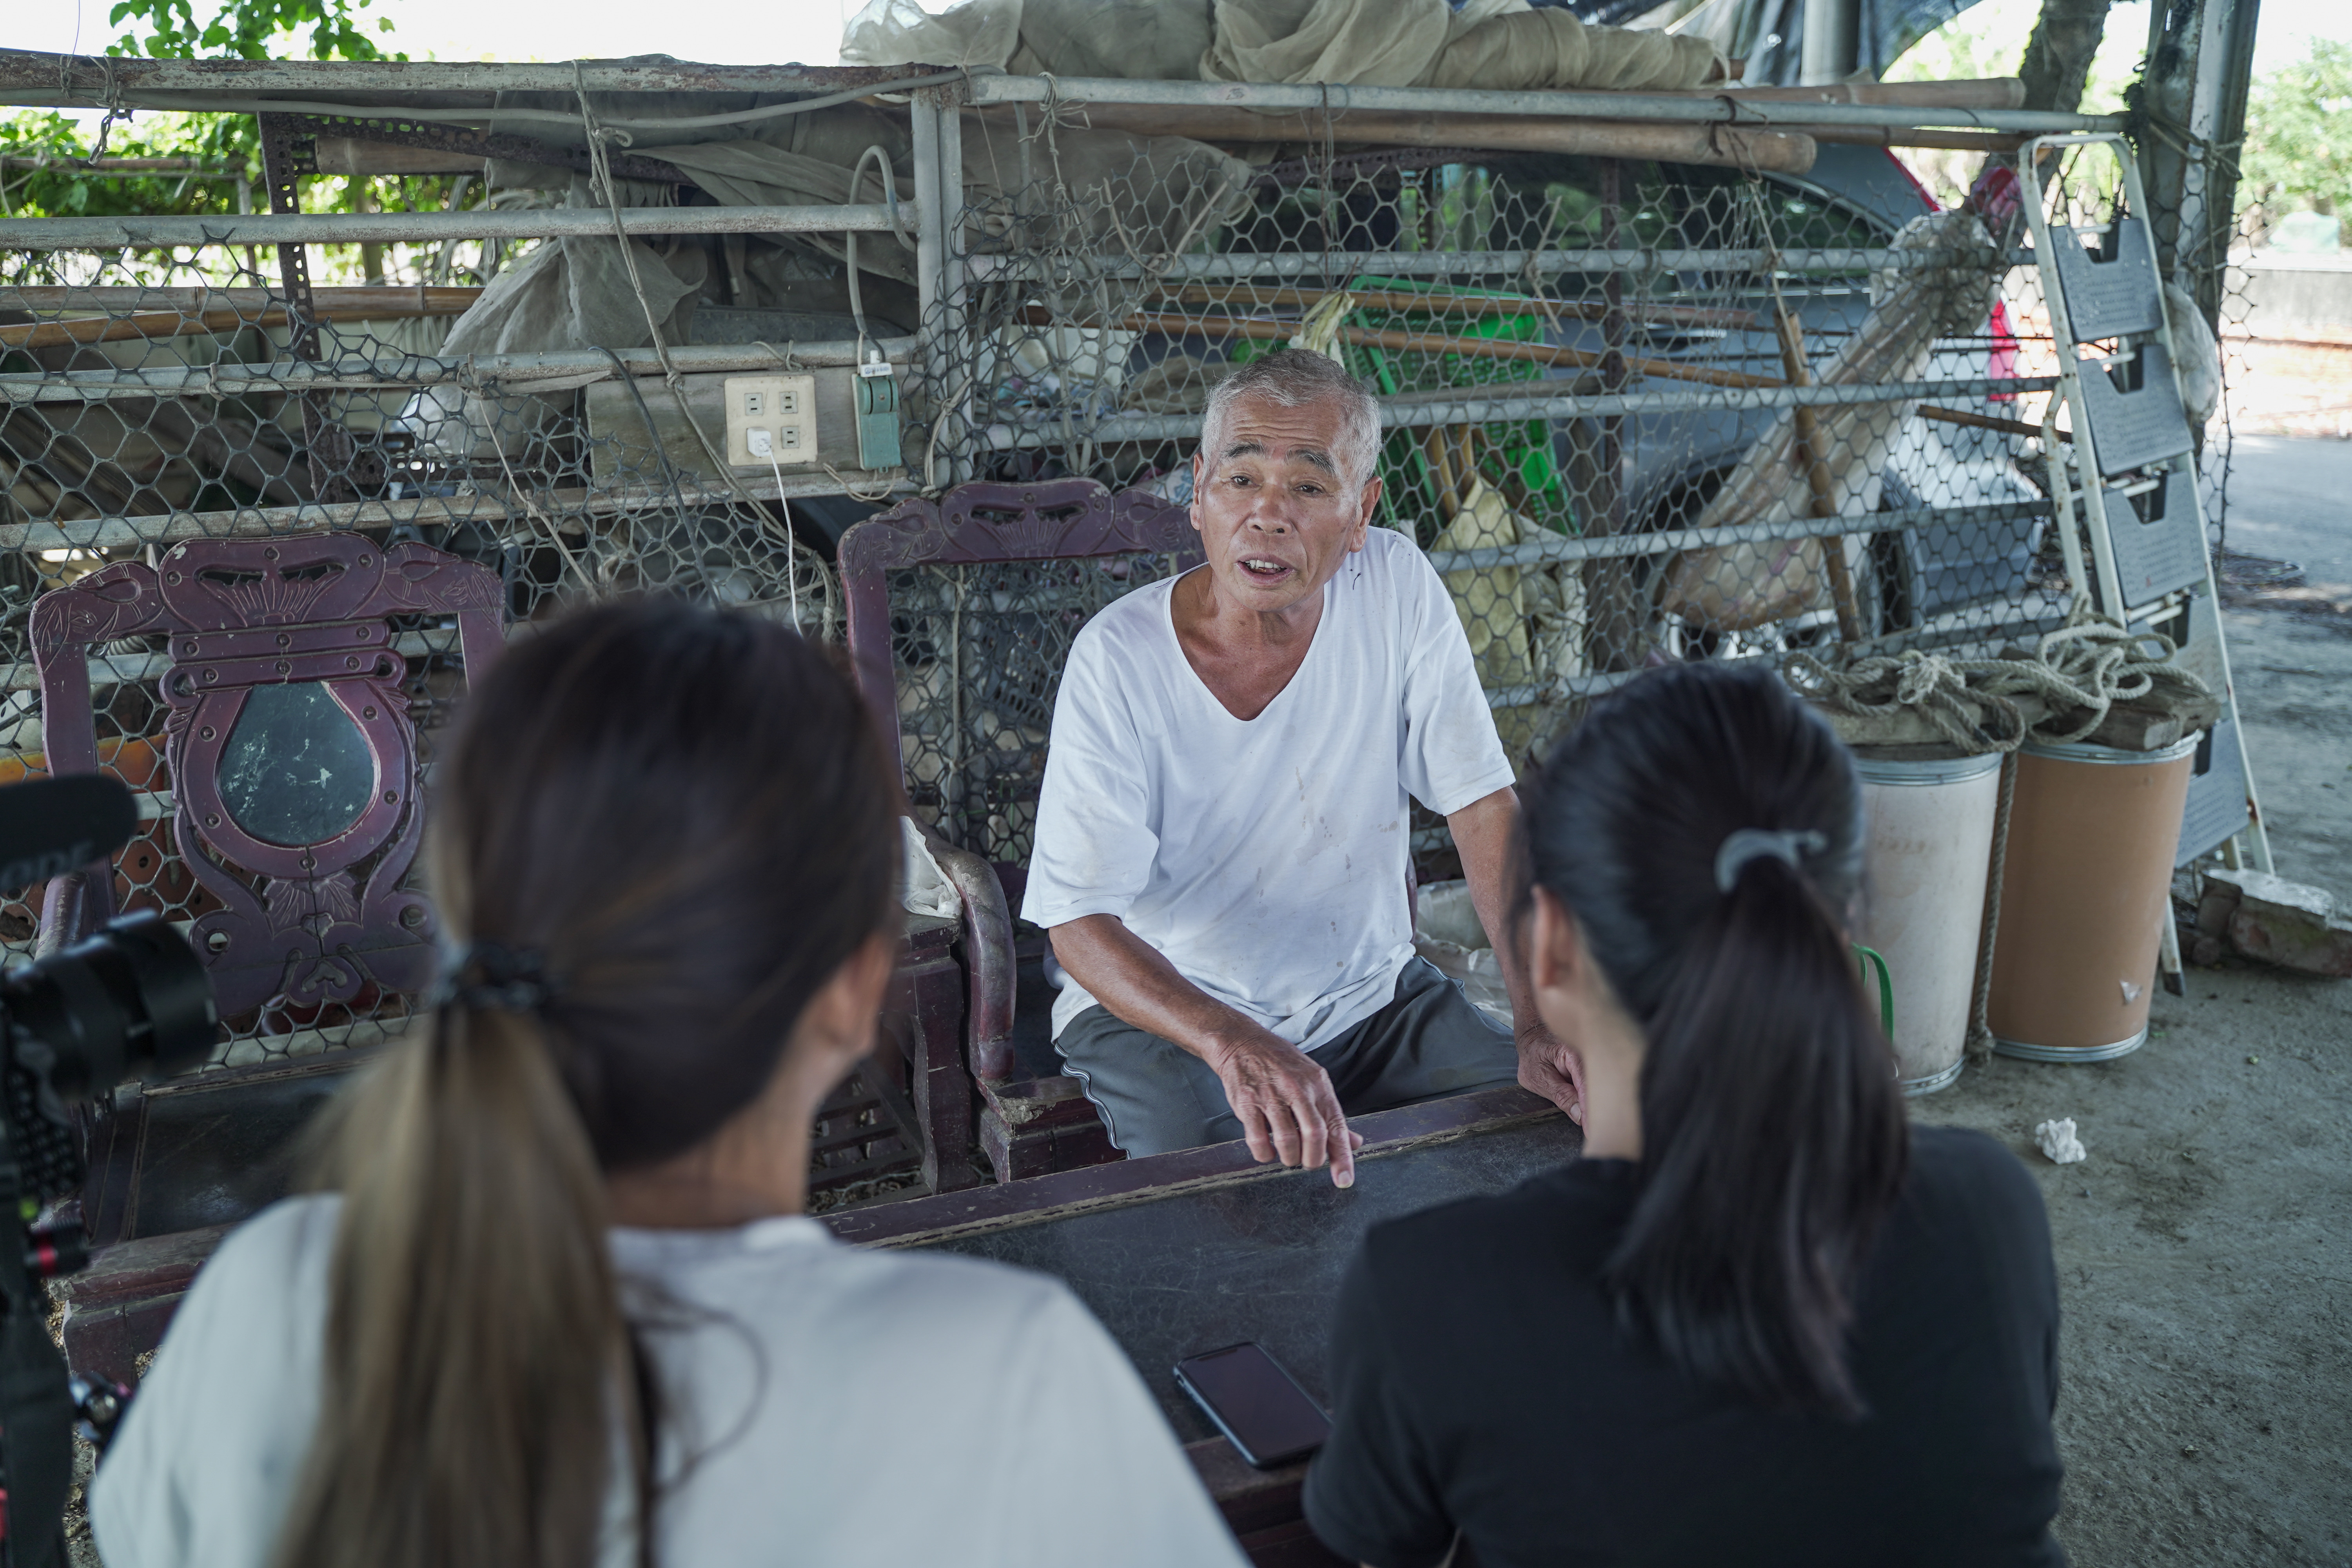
(683, 817)
(473, 1301)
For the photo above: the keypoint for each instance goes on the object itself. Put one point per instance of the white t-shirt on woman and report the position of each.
(838, 1407)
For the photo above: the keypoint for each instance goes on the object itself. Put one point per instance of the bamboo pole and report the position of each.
(1724, 146)
(1818, 478)
(1177, 325)
(1948, 141)
(1973, 92)
(393, 297)
(177, 324)
(1466, 305)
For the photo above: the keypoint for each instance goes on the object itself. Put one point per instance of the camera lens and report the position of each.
(130, 1000)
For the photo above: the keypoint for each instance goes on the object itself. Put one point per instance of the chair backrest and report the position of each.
(993, 581)
(290, 747)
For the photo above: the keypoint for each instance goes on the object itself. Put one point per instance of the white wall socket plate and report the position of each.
(784, 407)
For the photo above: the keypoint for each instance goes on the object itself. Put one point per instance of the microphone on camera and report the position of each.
(51, 827)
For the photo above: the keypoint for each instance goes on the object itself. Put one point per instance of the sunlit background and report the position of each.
(1987, 40)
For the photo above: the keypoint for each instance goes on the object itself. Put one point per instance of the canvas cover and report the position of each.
(1499, 45)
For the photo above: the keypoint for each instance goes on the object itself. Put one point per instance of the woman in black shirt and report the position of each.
(1762, 1320)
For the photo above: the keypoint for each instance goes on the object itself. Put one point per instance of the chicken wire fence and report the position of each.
(156, 397)
(1589, 422)
(1636, 413)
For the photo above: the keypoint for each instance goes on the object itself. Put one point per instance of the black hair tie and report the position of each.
(491, 977)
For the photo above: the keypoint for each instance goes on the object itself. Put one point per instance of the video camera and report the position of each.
(132, 1001)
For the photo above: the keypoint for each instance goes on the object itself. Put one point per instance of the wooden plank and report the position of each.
(923, 1222)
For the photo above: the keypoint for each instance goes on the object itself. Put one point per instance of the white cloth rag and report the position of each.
(924, 889)
(2057, 1140)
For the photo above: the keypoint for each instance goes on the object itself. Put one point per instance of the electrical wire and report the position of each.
(791, 567)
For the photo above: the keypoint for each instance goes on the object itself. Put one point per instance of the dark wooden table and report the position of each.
(1183, 1253)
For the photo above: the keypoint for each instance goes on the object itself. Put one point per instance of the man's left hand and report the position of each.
(1551, 1068)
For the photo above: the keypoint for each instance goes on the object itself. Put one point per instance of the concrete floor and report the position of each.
(2205, 1246)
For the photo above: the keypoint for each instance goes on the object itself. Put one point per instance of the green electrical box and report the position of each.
(877, 413)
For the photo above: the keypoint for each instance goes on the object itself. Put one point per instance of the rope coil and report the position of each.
(2088, 665)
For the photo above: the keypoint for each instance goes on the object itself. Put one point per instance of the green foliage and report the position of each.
(2299, 131)
(1989, 39)
(246, 29)
(223, 143)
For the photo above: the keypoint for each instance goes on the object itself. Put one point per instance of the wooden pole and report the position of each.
(1973, 92)
(1819, 480)
(1177, 325)
(1724, 146)
(408, 303)
(1889, 136)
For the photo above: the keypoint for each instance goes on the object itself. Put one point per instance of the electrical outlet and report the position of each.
(770, 418)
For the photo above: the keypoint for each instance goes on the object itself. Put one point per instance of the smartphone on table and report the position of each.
(1258, 1407)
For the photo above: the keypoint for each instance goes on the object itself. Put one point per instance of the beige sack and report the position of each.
(1499, 45)
(1551, 49)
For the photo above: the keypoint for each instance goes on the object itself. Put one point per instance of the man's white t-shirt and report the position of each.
(1265, 859)
(832, 1405)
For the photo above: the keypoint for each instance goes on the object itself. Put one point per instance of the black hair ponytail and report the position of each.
(1773, 1133)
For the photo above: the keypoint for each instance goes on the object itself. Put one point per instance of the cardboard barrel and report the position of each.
(2086, 887)
(1930, 855)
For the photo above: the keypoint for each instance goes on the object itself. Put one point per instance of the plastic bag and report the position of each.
(1447, 932)
(978, 33)
(923, 887)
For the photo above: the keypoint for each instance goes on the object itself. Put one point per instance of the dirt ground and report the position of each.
(2205, 1246)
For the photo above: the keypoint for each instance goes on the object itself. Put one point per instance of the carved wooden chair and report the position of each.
(291, 759)
(289, 745)
(961, 613)
(290, 755)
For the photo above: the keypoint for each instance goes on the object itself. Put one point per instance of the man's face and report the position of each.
(1275, 511)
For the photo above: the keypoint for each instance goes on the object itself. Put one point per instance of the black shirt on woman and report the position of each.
(1482, 1384)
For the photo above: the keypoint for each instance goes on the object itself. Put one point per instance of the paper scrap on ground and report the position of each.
(2057, 1140)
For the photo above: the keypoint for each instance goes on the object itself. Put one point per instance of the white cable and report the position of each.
(791, 567)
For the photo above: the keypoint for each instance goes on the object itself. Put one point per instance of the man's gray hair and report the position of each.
(1292, 377)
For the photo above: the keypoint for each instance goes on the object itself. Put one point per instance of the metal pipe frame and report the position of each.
(1679, 108)
(1560, 547)
(32, 77)
(1244, 268)
(520, 373)
(2024, 625)
(568, 506)
(386, 229)
(1415, 413)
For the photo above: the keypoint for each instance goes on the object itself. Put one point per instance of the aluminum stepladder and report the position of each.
(2133, 496)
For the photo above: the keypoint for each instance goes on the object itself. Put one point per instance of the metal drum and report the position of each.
(2086, 890)
(1930, 855)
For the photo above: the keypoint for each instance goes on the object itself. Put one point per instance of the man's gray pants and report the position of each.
(1428, 1043)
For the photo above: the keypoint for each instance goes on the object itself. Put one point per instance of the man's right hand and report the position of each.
(1287, 1107)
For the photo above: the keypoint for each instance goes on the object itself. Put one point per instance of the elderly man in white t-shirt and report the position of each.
(1222, 847)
